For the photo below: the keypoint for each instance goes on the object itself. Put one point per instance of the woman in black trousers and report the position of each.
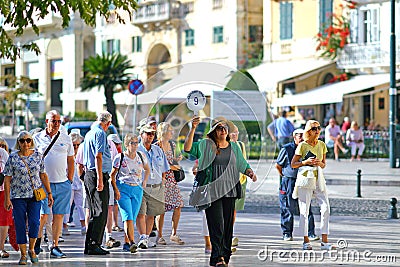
(220, 162)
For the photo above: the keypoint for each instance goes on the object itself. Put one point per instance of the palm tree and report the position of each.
(109, 71)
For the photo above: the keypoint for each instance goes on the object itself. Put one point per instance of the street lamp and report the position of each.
(392, 89)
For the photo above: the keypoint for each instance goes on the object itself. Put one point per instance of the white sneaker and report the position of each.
(327, 246)
(71, 224)
(143, 243)
(151, 244)
(307, 246)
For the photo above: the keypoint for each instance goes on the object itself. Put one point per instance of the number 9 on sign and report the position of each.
(196, 101)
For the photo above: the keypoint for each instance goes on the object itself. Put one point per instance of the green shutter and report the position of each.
(104, 47)
(117, 46)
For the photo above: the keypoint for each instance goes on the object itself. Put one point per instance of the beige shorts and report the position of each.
(153, 202)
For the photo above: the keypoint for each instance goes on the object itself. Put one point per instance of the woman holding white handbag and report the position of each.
(310, 158)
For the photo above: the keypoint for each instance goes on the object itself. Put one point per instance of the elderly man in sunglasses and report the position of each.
(59, 164)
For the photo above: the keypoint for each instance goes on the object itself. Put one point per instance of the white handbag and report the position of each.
(306, 178)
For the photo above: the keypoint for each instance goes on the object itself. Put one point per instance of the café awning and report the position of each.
(268, 75)
(332, 93)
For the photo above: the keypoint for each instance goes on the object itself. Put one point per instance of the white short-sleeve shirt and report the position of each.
(56, 160)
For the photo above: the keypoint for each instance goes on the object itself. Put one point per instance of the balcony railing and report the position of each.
(157, 12)
(365, 55)
(52, 19)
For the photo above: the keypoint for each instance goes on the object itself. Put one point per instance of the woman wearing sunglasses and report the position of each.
(220, 162)
(127, 176)
(310, 156)
(24, 171)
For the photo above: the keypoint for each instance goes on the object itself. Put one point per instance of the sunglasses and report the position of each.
(27, 140)
(316, 128)
(150, 133)
(221, 128)
(76, 145)
(55, 121)
(2, 146)
(133, 143)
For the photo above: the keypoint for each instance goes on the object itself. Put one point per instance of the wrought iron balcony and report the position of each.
(365, 55)
(159, 11)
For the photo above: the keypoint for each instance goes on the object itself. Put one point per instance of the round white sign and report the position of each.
(196, 101)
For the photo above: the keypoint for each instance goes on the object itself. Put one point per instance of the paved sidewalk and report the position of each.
(371, 241)
(379, 184)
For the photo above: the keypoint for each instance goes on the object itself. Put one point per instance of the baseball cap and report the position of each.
(298, 131)
(151, 120)
(147, 129)
(114, 138)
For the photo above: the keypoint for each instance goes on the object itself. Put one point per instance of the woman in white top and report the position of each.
(128, 176)
(355, 139)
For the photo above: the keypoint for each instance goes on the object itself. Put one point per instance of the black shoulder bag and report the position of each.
(178, 174)
(51, 145)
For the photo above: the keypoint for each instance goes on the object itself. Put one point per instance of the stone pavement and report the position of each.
(379, 183)
(365, 242)
(359, 225)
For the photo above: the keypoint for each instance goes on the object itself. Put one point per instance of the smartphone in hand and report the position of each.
(309, 155)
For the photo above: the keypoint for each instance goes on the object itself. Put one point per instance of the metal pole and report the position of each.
(358, 183)
(134, 115)
(392, 89)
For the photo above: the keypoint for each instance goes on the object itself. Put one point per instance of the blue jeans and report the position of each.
(288, 206)
(26, 208)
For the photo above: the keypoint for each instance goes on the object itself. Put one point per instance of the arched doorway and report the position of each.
(56, 70)
(158, 59)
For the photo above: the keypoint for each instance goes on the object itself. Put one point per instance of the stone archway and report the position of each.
(56, 73)
(159, 57)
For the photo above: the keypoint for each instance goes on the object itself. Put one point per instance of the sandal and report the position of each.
(117, 229)
(4, 254)
(221, 263)
(23, 260)
(33, 259)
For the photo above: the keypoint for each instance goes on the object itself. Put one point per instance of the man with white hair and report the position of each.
(97, 163)
(59, 163)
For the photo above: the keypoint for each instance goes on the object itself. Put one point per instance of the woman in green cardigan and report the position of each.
(220, 162)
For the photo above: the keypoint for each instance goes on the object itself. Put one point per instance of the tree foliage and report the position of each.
(110, 72)
(22, 14)
(242, 80)
(17, 88)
